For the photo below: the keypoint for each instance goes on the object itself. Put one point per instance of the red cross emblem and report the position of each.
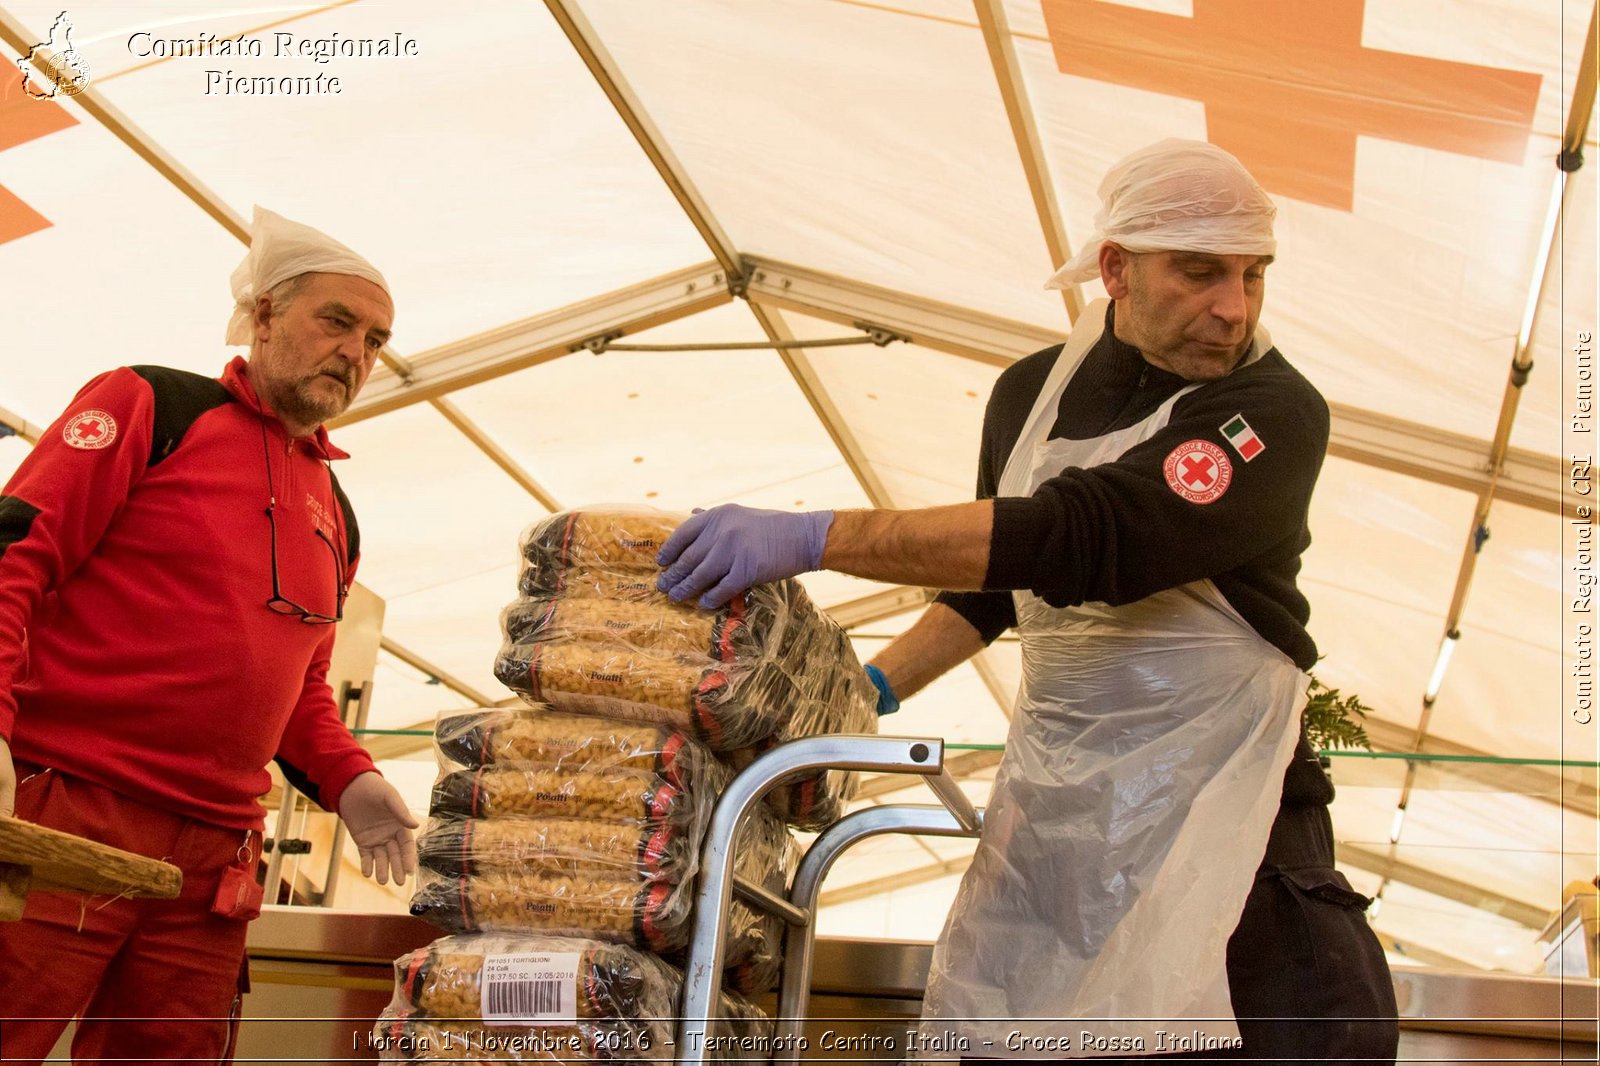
(1289, 86)
(1198, 471)
(90, 430)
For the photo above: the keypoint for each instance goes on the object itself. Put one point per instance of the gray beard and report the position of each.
(299, 405)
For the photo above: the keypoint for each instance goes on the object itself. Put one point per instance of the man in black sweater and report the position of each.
(1156, 868)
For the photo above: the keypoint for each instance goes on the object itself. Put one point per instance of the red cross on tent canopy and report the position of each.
(1287, 85)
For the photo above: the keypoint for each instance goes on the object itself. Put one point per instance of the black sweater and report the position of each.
(1118, 532)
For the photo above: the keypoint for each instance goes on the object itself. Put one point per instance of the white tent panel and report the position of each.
(1379, 574)
(672, 430)
(1383, 662)
(957, 707)
(1450, 832)
(442, 512)
(1377, 532)
(1085, 125)
(1436, 332)
(873, 858)
(1512, 658)
(413, 777)
(871, 143)
(956, 12)
(439, 532)
(477, 215)
(1513, 846)
(455, 626)
(1367, 791)
(870, 636)
(12, 451)
(916, 912)
(1478, 938)
(1545, 37)
(1484, 706)
(78, 303)
(403, 696)
(829, 589)
(917, 413)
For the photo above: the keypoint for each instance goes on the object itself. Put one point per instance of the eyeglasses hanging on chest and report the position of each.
(279, 603)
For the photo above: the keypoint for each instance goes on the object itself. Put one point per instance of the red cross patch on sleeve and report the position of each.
(1198, 471)
(90, 429)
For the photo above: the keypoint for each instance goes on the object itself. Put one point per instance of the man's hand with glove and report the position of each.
(381, 826)
(719, 553)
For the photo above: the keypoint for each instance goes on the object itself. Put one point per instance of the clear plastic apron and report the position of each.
(1141, 777)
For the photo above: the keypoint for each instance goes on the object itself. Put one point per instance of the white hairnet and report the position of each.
(280, 250)
(1176, 195)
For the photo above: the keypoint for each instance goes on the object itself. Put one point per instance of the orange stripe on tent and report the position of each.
(23, 118)
(17, 219)
(1287, 86)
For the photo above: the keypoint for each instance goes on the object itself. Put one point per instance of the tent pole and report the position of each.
(142, 145)
(605, 71)
(1390, 443)
(1030, 152)
(604, 68)
(1570, 159)
(417, 662)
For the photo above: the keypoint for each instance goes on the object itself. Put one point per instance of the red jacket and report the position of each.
(136, 647)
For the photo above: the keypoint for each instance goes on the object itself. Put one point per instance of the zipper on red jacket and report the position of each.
(288, 466)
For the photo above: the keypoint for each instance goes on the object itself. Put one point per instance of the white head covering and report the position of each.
(1176, 195)
(280, 250)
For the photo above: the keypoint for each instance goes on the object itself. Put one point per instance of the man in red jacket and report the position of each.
(172, 555)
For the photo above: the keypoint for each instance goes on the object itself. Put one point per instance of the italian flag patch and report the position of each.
(1243, 438)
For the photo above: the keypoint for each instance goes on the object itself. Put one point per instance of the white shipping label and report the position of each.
(531, 988)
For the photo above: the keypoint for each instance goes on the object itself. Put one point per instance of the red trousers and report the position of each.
(153, 980)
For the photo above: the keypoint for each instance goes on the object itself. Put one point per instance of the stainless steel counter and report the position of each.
(320, 977)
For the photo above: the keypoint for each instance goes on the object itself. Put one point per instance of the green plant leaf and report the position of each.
(1334, 721)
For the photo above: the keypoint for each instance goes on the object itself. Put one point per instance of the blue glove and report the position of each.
(727, 549)
(888, 703)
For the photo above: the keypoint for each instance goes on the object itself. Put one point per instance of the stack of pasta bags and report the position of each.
(564, 836)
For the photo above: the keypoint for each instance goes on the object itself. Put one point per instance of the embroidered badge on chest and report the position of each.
(90, 429)
(1198, 471)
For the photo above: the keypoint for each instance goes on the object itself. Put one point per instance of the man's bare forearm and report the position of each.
(939, 641)
(935, 547)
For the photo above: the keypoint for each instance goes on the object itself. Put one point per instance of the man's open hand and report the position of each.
(381, 826)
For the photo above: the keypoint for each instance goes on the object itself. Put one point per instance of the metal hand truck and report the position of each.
(717, 886)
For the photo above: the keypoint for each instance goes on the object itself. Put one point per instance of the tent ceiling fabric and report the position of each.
(859, 153)
(465, 242)
(888, 186)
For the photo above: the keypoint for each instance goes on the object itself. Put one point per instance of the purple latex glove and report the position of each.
(729, 548)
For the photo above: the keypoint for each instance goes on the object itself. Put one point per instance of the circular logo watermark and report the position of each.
(72, 74)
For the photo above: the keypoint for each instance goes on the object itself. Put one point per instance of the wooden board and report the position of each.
(62, 862)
